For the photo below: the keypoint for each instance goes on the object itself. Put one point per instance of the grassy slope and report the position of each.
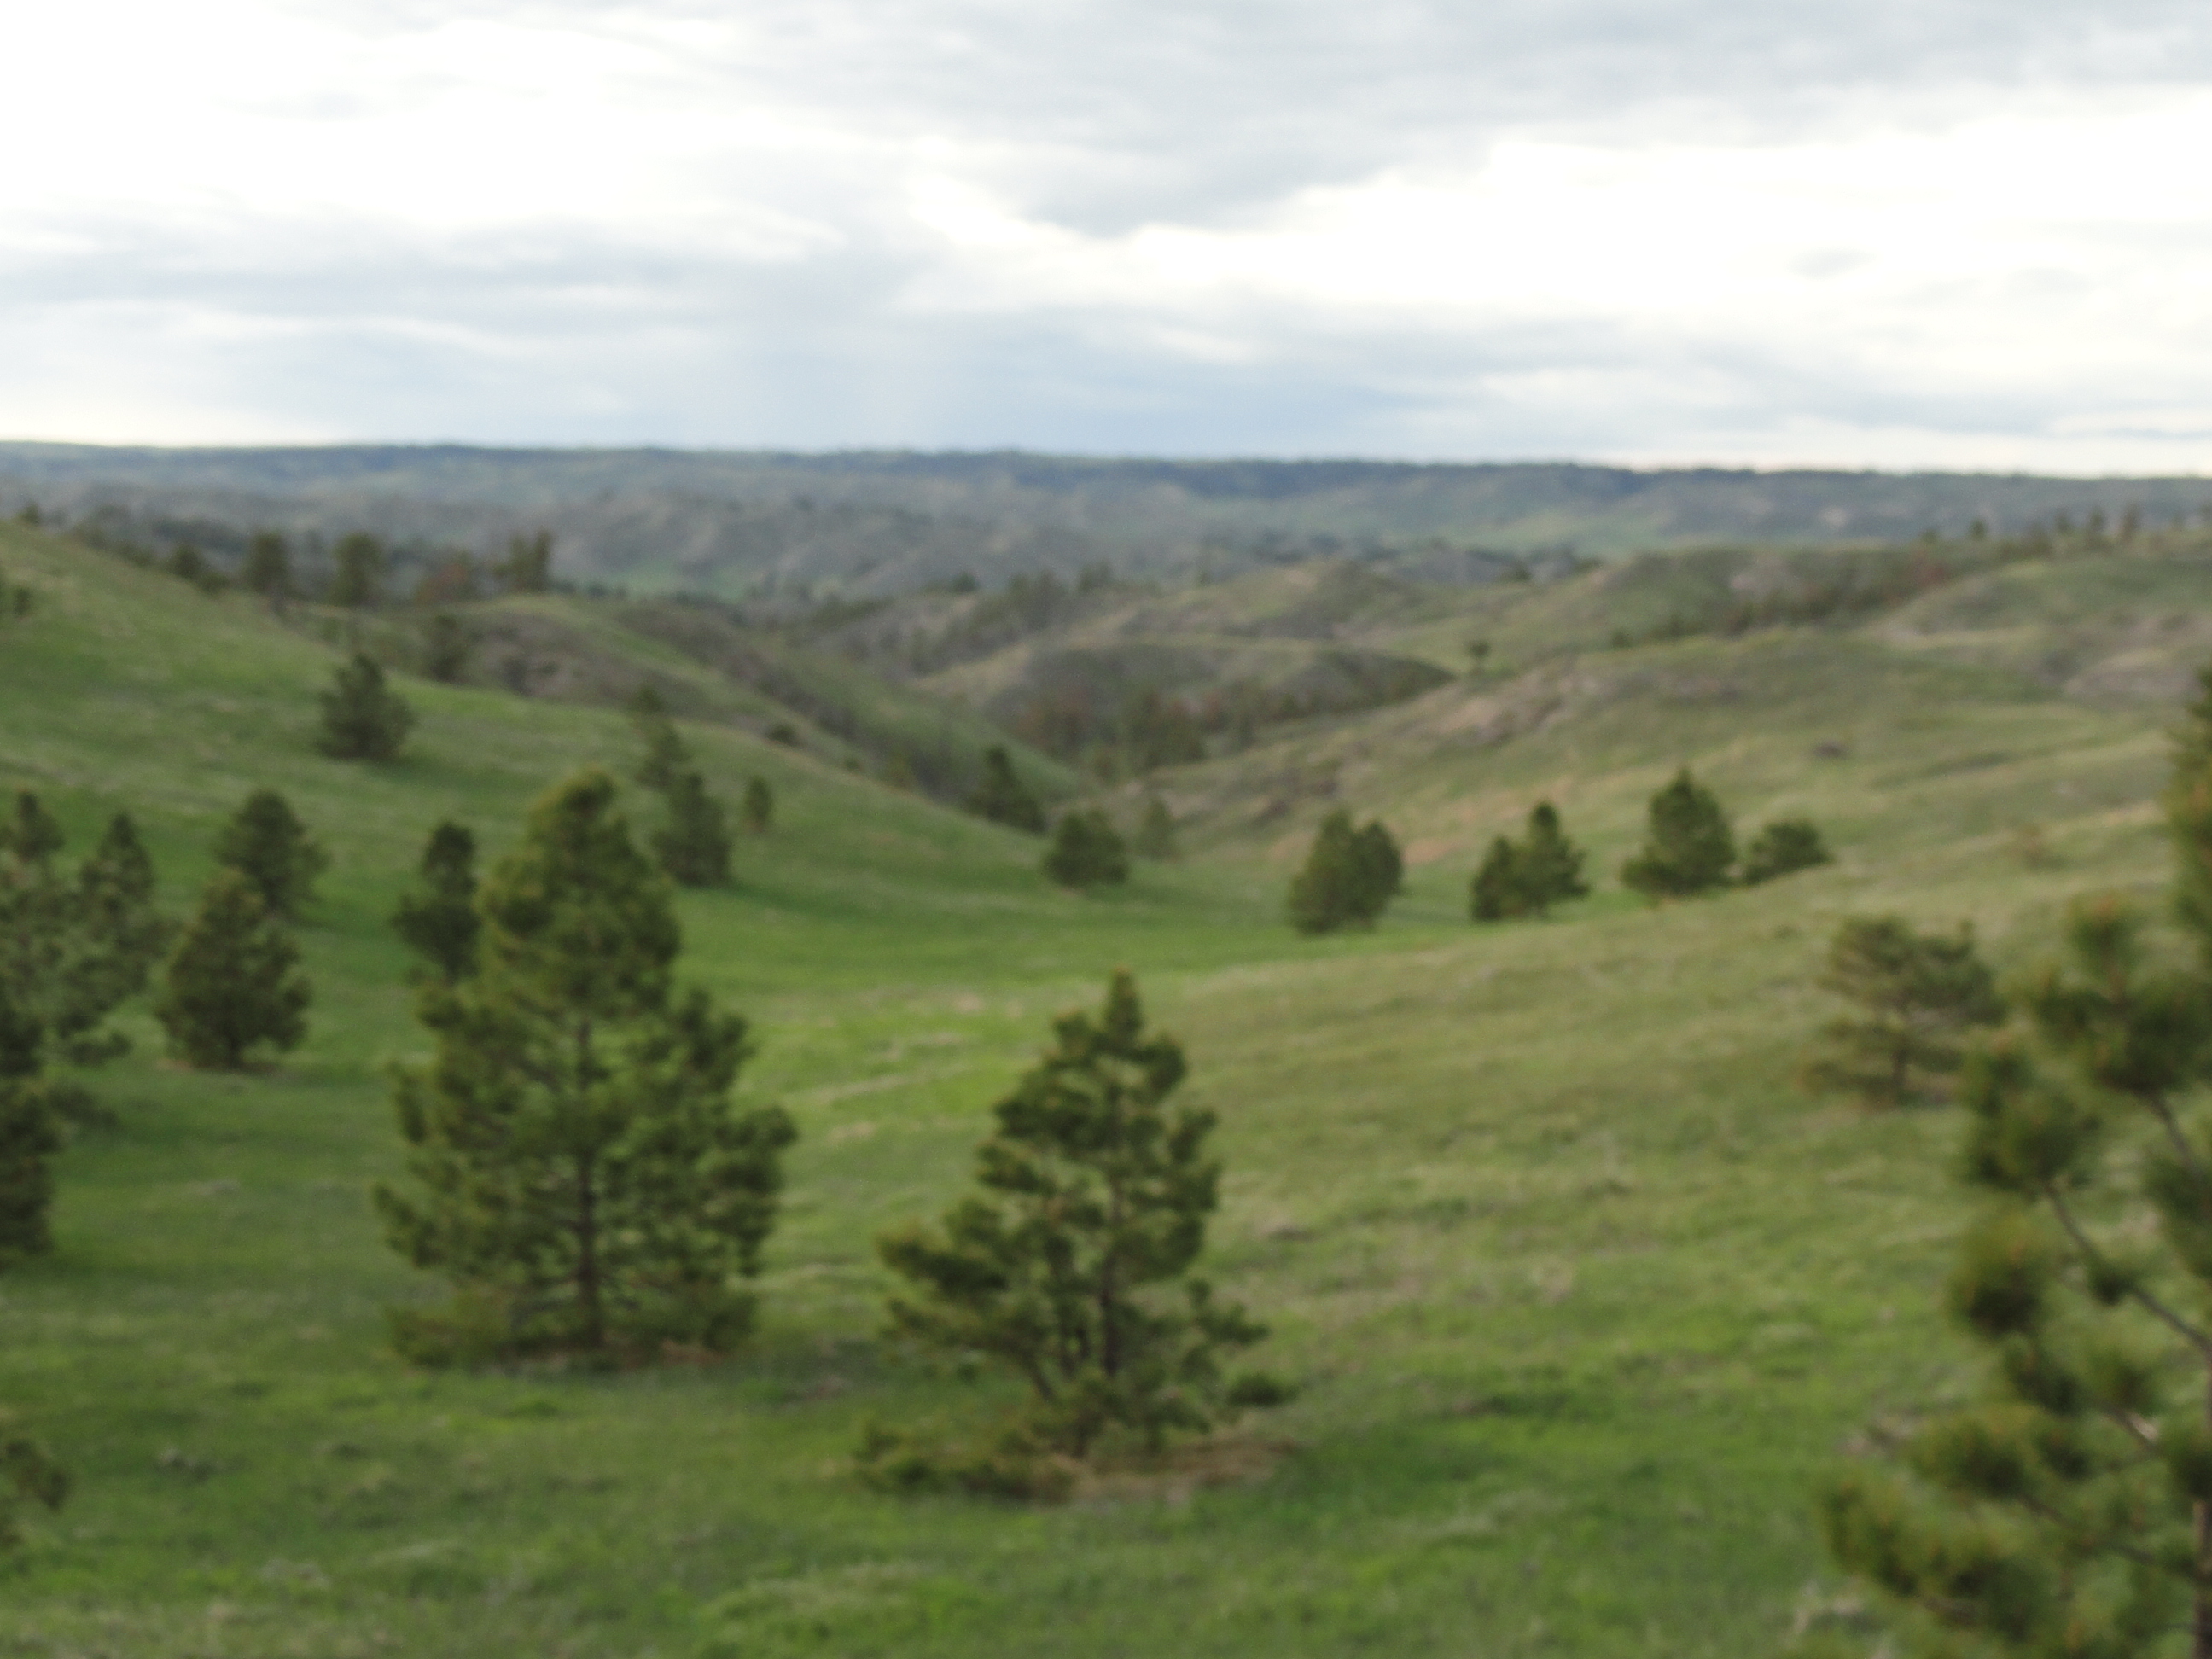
(1583, 1294)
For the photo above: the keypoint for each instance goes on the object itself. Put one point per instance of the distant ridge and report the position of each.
(882, 521)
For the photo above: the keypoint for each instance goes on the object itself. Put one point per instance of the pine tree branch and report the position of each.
(2189, 1334)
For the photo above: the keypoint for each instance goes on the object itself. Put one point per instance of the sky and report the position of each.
(1899, 234)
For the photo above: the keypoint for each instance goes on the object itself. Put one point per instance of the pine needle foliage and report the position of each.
(1086, 851)
(233, 983)
(1688, 847)
(579, 1175)
(363, 717)
(1917, 995)
(2070, 1511)
(267, 844)
(1527, 878)
(1349, 878)
(1003, 797)
(1071, 1267)
(437, 920)
(1783, 849)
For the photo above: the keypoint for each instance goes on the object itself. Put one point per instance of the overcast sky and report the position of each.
(1892, 233)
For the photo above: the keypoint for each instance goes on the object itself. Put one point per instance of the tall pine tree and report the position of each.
(579, 1175)
(233, 983)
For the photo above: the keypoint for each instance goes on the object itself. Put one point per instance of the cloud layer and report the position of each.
(1940, 235)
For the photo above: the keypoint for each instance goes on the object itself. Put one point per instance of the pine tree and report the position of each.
(579, 1176)
(1496, 893)
(2070, 1511)
(267, 844)
(234, 982)
(1086, 851)
(1550, 866)
(28, 1136)
(438, 921)
(1783, 849)
(447, 644)
(1349, 878)
(1322, 897)
(665, 758)
(1688, 847)
(357, 578)
(1003, 797)
(269, 566)
(363, 719)
(694, 844)
(1071, 1269)
(1918, 996)
(759, 813)
(1156, 832)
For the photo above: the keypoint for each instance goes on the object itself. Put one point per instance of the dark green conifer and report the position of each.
(1783, 849)
(1550, 866)
(234, 982)
(363, 719)
(447, 644)
(1688, 847)
(357, 572)
(1086, 851)
(438, 920)
(1071, 1269)
(665, 759)
(1003, 797)
(28, 1135)
(758, 812)
(578, 1173)
(1917, 996)
(694, 844)
(269, 565)
(267, 844)
(1496, 893)
(1349, 878)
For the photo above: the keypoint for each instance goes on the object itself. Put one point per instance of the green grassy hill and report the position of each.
(1585, 1296)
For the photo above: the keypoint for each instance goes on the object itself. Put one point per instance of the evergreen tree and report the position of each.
(759, 808)
(438, 921)
(1496, 893)
(1349, 878)
(1783, 849)
(28, 1136)
(1086, 851)
(447, 644)
(1918, 996)
(2071, 1510)
(580, 1175)
(357, 573)
(665, 759)
(1155, 831)
(1071, 1269)
(363, 719)
(1550, 866)
(234, 982)
(694, 844)
(1003, 797)
(269, 566)
(1688, 847)
(267, 844)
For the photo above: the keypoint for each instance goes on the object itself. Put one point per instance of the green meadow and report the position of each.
(1583, 1295)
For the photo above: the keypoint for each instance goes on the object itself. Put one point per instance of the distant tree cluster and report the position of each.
(1349, 878)
(1689, 847)
(1528, 877)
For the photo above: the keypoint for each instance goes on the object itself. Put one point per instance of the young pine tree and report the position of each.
(1917, 997)
(1071, 1267)
(1378, 873)
(665, 759)
(1551, 865)
(758, 812)
(363, 719)
(1688, 846)
(694, 844)
(1086, 851)
(438, 921)
(2069, 1511)
(1783, 849)
(1349, 878)
(579, 1174)
(1003, 797)
(267, 844)
(1495, 893)
(234, 982)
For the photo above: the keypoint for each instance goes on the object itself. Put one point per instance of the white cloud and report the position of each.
(1928, 233)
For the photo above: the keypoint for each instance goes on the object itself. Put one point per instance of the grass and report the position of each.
(1585, 1296)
